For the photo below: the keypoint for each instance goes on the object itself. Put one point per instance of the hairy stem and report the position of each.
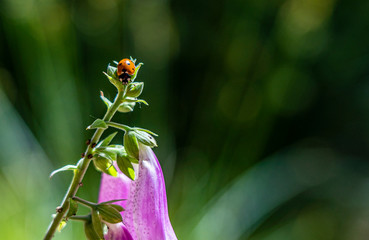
(79, 174)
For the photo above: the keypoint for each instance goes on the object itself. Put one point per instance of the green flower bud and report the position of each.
(109, 213)
(126, 107)
(135, 89)
(145, 138)
(131, 144)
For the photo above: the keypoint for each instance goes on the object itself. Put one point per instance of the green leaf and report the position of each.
(109, 213)
(97, 224)
(98, 123)
(126, 107)
(65, 168)
(131, 144)
(90, 231)
(125, 166)
(73, 207)
(105, 165)
(105, 100)
(135, 89)
(107, 140)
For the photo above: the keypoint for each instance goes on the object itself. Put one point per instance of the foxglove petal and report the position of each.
(146, 212)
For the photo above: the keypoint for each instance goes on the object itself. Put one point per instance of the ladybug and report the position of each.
(126, 68)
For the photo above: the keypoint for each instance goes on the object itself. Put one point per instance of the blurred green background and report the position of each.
(262, 108)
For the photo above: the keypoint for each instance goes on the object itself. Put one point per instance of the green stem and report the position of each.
(84, 202)
(79, 174)
(83, 218)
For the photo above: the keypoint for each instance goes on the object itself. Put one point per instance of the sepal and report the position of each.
(135, 100)
(131, 144)
(105, 100)
(98, 123)
(97, 224)
(90, 231)
(136, 72)
(107, 140)
(125, 166)
(105, 165)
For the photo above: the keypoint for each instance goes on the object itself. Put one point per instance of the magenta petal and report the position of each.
(118, 232)
(146, 216)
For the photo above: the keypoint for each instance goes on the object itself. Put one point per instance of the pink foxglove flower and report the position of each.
(146, 212)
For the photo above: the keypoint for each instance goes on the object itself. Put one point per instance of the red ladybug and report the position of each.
(126, 68)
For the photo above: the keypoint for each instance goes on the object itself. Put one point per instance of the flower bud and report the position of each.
(145, 138)
(126, 107)
(135, 89)
(109, 213)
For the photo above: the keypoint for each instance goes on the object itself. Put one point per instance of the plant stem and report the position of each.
(82, 218)
(119, 126)
(79, 174)
(84, 202)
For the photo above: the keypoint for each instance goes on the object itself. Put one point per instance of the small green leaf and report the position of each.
(109, 213)
(90, 231)
(97, 224)
(105, 165)
(125, 166)
(126, 107)
(98, 123)
(107, 140)
(135, 89)
(65, 168)
(73, 207)
(105, 100)
(131, 144)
